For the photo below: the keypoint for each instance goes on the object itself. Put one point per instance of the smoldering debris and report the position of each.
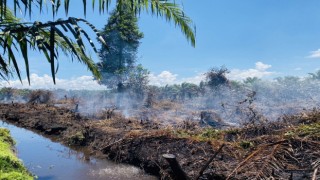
(258, 102)
(233, 104)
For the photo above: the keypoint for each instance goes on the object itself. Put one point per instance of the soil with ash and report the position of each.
(282, 150)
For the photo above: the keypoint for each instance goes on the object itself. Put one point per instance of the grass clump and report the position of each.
(77, 139)
(11, 168)
(210, 133)
(309, 130)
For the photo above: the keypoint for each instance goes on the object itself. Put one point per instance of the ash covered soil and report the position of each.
(286, 149)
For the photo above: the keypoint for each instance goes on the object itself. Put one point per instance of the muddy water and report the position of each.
(49, 160)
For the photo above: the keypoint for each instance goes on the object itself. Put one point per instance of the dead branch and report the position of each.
(253, 154)
(209, 162)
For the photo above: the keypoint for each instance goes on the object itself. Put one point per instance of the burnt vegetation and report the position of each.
(254, 129)
(40, 96)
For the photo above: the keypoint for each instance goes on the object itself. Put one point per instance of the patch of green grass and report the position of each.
(11, 168)
(182, 133)
(77, 139)
(310, 130)
(210, 133)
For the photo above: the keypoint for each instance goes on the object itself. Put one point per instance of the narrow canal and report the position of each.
(50, 160)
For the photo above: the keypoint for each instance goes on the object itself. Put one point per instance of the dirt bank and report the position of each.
(280, 150)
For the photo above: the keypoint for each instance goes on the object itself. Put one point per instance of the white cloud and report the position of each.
(314, 54)
(195, 79)
(260, 71)
(45, 82)
(162, 79)
(298, 69)
(262, 67)
(166, 77)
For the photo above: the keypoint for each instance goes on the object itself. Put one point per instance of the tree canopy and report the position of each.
(118, 59)
(50, 37)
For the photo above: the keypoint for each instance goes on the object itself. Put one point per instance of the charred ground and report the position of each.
(285, 149)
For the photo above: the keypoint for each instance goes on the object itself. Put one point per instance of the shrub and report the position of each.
(40, 96)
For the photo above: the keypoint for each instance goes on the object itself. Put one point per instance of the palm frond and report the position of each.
(169, 10)
(16, 37)
(172, 11)
(46, 38)
(164, 8)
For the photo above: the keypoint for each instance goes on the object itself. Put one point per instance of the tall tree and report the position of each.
(50, 37)
(117, 60)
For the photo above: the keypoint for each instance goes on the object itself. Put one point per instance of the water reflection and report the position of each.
(50, 161)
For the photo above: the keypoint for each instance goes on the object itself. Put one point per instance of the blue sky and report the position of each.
(273, 38)
(237, 34)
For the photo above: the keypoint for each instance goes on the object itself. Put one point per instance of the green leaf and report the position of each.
(14, 61)
(66, 6)
(95, 30)
(67, 41)
(76, 33)
(84, 7)
(24, 50)
(52, 54)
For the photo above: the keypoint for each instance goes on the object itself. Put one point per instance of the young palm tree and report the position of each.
(49, 37)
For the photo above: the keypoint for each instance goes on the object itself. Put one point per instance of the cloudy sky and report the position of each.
(252, 38)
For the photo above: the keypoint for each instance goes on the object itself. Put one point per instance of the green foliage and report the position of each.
(164, 8)
(170, 92)
(49, 37)
(189, 90)
(10, 166)
(77, 139)
(205, 134)
(7, 93)
(119, 57)
(251, 80)
(210, 133)
(138, 81)
(306, 131)
(5, 136)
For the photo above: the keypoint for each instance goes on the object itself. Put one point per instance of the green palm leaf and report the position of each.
(48, 39)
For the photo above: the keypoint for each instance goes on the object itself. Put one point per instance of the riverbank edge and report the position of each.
(11, 168)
